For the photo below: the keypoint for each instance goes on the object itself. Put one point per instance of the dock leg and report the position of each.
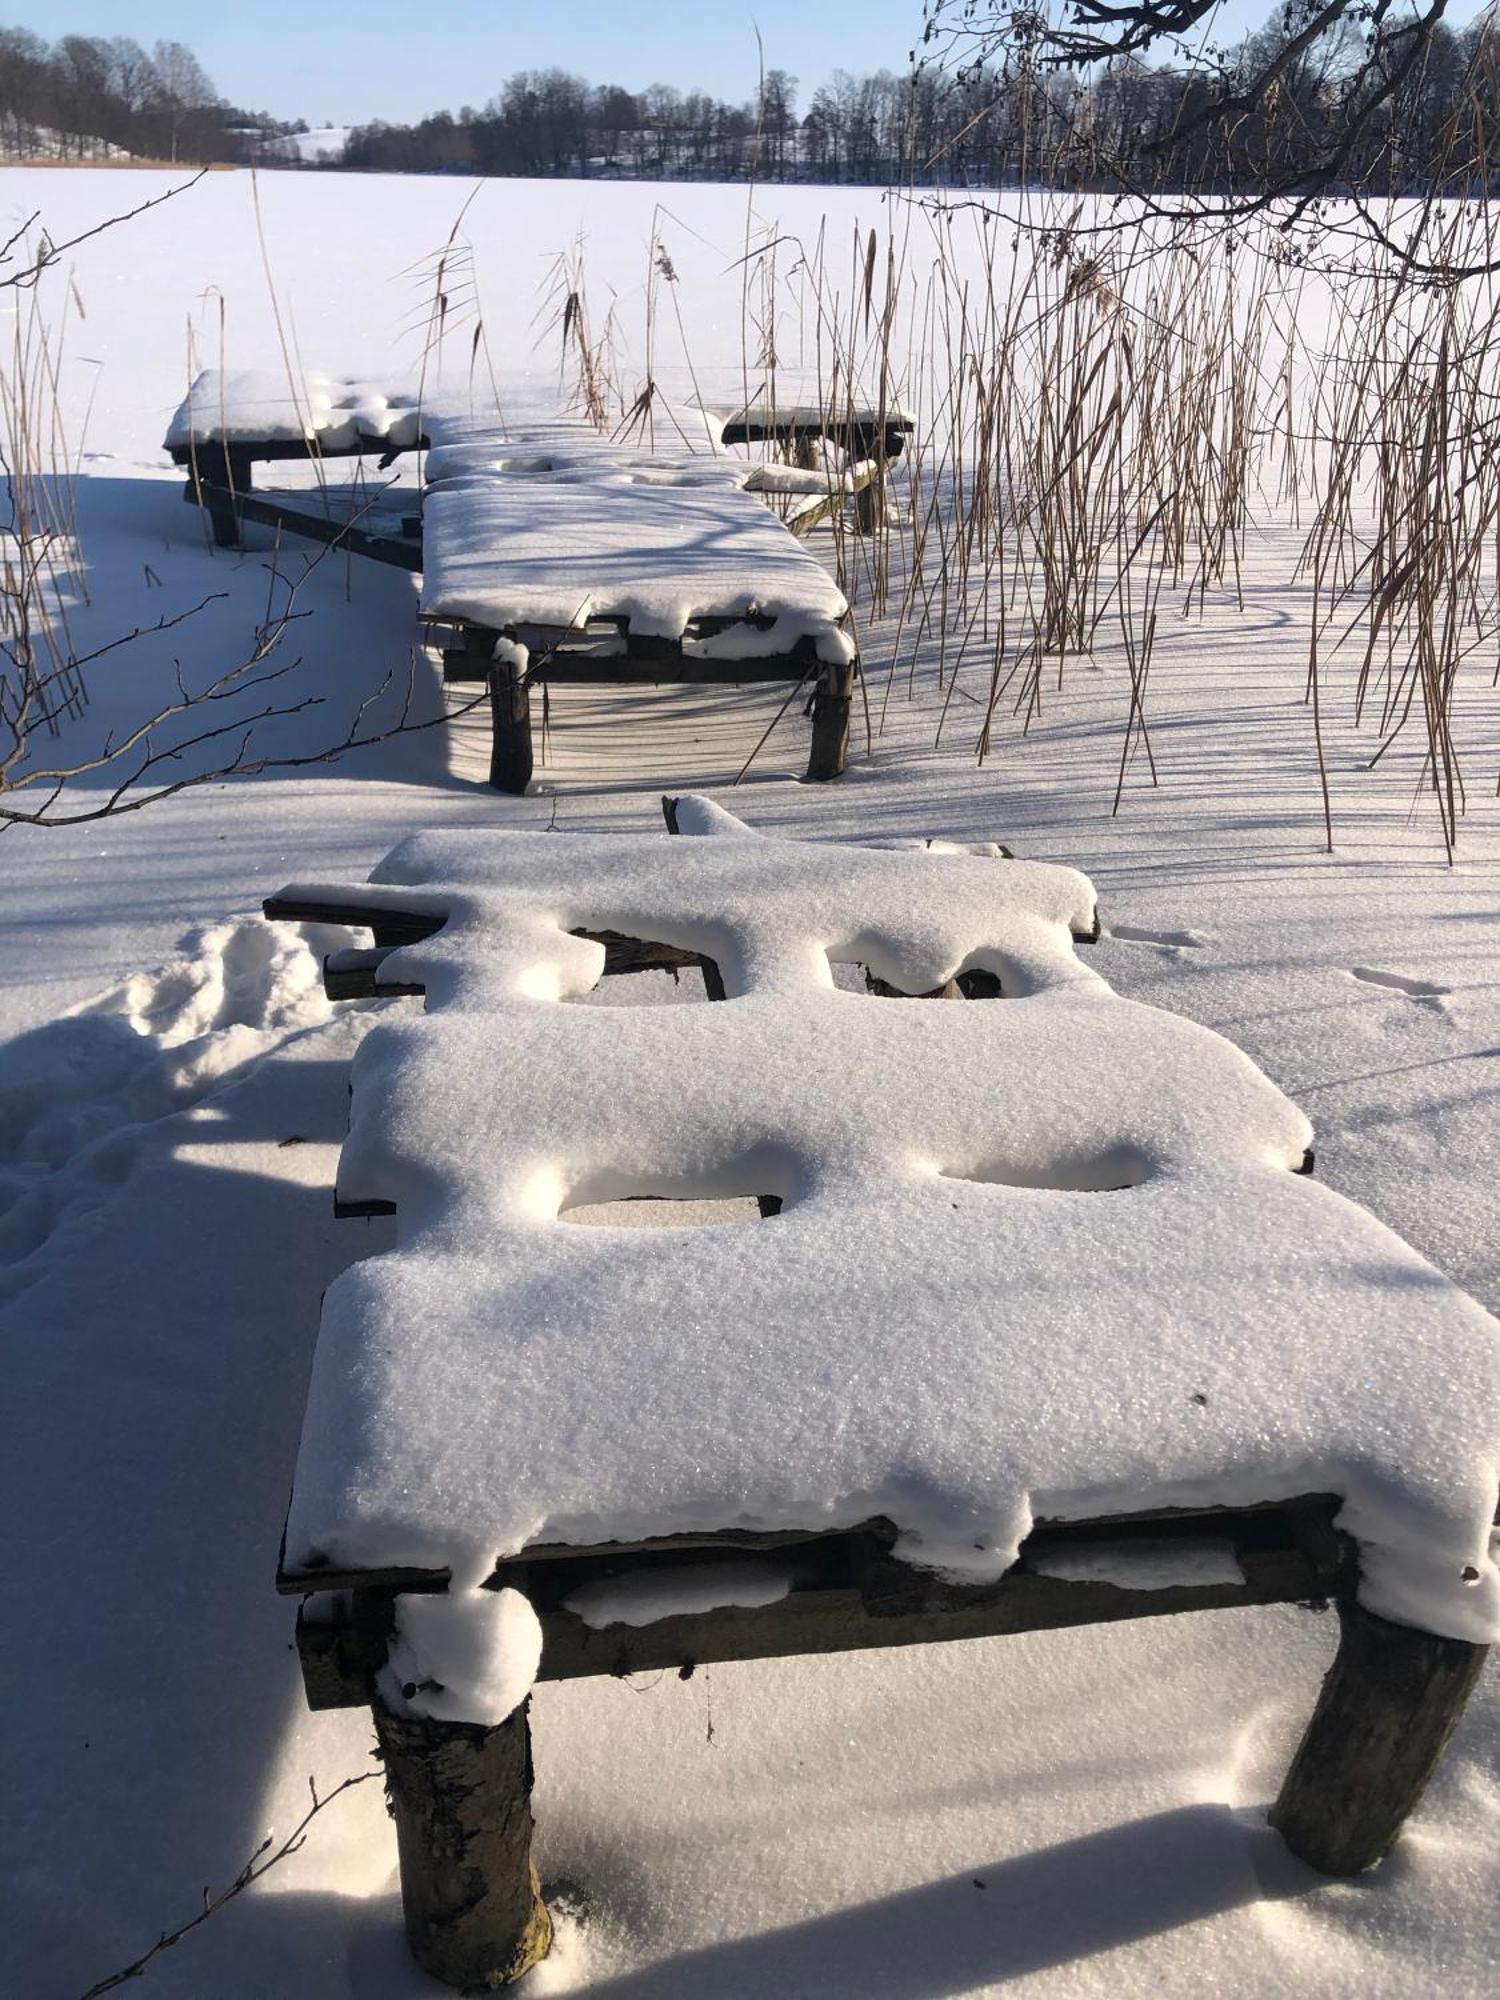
(470, 659)
(461, 1798)
(1388, 1706)
(830, 724)
(222, 466)
(510, 725)
(869, 504)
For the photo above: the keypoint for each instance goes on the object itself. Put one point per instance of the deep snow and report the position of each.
(1060, 1814)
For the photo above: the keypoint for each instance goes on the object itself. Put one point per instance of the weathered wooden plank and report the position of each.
(848, 1595)
(566, 669)
(461, 1798)
(1304, 1521)
(355, 975)
(391, 924)
(267, 450)
(627, 954)
(839, 1620)
(860, 431)
(1388, 1705)
(271, 510)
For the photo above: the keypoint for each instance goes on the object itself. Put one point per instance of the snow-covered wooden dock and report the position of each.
(1037, 1320)
(552, 554)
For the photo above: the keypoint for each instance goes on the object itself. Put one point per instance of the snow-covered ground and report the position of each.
(1065, 1814)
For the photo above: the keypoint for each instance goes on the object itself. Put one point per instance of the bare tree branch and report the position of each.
(261, 1862)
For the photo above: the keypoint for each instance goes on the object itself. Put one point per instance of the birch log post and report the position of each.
(461, 1798)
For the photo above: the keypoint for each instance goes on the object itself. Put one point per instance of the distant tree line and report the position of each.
(1126, 122)
(85, 97)
(1329, 94)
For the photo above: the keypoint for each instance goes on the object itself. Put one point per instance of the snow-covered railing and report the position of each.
(1034, 1319)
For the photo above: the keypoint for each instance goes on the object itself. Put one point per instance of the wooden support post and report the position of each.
(461, 1797)
(869, 502)
(1388, 1706)
(830, 728)
(222, 465)
(470, 659)
(510, 728)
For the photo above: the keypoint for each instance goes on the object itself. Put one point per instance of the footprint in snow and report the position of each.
(1171, 942)
(1426, 992)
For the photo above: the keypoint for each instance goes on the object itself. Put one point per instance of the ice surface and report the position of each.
(641, 1597)
(1041, 1258)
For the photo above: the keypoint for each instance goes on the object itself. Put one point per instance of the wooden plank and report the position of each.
(859, 430)
(270, 450)
(855, 486)
(839, 1620)
(274, 512)
(849, 1594)
(355, 975)
(391, 924)
(612, 670)
(1303, 1522)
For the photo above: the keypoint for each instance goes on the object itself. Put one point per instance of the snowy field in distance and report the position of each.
(1059, 1815)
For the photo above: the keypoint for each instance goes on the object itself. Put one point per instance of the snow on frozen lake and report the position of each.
(1060, 1814)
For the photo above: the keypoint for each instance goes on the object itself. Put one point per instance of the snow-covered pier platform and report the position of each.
(1017, 1314)
(550, 553)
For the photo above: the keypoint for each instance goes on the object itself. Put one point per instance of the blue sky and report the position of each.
(342, 61)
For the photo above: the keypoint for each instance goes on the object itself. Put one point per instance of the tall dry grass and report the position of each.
(1102, 418)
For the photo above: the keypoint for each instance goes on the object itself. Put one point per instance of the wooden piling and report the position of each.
(1388, 1705)
(510, 727)
(461, 1798)
(830, 723)
(225, 467)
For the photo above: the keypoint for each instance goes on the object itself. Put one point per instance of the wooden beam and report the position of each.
(613, 670)
(848, 1595)
(355, 975)
(392, 926)
(839, 1620)
(270, 450)
(270, 510)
